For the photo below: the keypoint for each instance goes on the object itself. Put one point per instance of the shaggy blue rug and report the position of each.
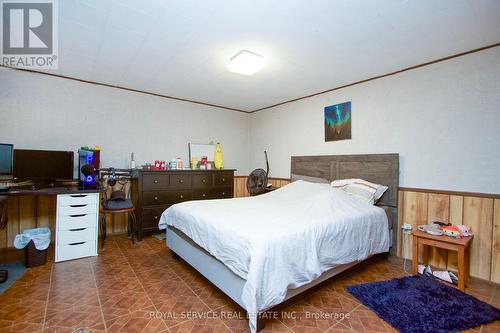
(16, 270)
(422, 304)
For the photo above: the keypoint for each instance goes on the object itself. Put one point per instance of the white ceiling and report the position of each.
(180, 47)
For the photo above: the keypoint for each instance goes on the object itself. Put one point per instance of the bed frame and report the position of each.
(379, 168)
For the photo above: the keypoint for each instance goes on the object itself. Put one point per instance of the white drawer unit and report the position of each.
(76, 226)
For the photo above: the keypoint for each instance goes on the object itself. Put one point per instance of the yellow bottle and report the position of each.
(219, 163)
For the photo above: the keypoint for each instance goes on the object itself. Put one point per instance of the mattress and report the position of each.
(283, 239)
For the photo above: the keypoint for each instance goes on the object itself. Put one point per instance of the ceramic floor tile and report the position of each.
(142, 288)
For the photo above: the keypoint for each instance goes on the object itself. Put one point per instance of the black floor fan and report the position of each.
(257, 180)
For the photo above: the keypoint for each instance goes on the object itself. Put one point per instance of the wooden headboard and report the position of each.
(377, 168)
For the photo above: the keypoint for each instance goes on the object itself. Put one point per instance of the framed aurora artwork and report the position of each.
(338, 120)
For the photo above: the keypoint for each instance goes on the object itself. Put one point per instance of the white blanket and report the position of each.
(283, 239)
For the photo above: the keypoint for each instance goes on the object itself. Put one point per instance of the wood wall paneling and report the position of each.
(495, 248)
(415, 207)
(478, 214)
(438, 208)
(456, 218)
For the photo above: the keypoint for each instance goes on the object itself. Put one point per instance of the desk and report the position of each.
(77, 215)
(461, 245)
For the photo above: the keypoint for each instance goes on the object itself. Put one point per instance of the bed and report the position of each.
(263, 250)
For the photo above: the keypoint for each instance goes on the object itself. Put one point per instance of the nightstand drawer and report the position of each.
(77, 221)
(76, 250)
(77, 199)
(65, 237)
(77, 209)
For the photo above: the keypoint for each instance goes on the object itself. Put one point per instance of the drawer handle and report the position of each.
(203, 195)
(79, 229)
(181, 181)
(76, 206)
(156, 198)
(156, 217)
(79, 243)
(223, 179)
(204, 181)
(223, 193)
(78, 215)
(78, 195)
(155, 181)
(182, 197)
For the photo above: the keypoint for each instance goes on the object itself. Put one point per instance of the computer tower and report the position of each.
(88, 179)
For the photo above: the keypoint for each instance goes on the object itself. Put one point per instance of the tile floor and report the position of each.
(142, 288)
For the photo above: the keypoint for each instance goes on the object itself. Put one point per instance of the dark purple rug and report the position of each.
(423, 304)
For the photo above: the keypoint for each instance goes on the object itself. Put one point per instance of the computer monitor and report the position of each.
(43, 165)
(6, 159)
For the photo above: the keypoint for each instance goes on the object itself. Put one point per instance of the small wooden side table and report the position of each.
(461, 245)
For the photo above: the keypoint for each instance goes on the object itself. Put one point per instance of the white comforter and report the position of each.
(283, 239)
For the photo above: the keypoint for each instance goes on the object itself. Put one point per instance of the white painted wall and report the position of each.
(42, 112)
(443, 120)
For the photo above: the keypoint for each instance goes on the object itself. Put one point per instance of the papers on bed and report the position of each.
(283, 239)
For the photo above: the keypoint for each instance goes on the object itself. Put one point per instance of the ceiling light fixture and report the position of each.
(246, 63)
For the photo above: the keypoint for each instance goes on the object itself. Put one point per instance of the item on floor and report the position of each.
(419, 304)
(15, 269)
(39, 236)
(161, 236)
(446, 276)
(119, 201)
(218, 161)
(4, 275)
(257, 180)
(33, 256)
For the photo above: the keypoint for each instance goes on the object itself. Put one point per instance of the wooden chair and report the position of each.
(116, 180)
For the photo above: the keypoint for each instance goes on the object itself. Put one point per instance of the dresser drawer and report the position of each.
(202, 181)
(153, 198)
(77, 199)
(224, 178)
(76, 235)
(202, 194)
(77, 209)
(152, 181)
(180, 182)
(76, 221)
(180, 196)
(76, 250)
(151, 217)
(222, 193)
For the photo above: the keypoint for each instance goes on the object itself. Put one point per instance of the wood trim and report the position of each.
(381, 76)
(463, 194)
(266, 107)
(124, 88)
(275, 178)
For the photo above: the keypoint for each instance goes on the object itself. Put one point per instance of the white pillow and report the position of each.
(309, 179)
(361, 189)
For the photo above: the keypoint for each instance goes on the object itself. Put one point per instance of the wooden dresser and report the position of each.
(155, 191)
